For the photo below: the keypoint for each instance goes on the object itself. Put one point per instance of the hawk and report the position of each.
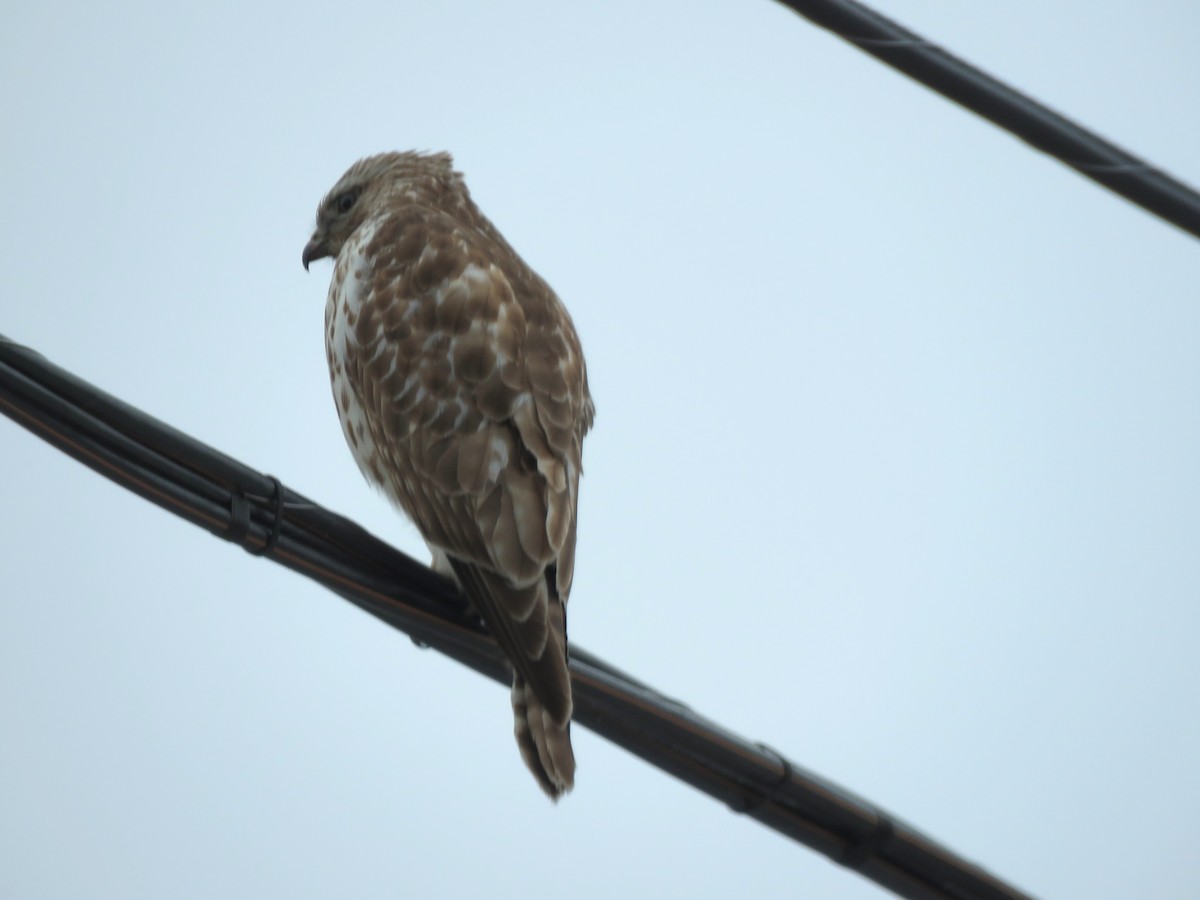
(462, 391)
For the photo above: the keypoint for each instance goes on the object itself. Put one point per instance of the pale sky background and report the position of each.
(895, 465)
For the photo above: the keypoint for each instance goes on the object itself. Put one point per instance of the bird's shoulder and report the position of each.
(444, 286)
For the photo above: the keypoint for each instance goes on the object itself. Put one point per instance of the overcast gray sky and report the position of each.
(894, 467)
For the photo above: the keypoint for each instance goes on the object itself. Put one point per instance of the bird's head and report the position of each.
(367, 187)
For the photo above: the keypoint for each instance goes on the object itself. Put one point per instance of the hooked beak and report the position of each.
(314, 249)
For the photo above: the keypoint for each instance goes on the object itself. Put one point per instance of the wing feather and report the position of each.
(482, 413)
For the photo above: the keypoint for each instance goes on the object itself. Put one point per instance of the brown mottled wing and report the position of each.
(472, 381)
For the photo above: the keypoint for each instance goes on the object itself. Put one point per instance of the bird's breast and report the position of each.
(347, 308)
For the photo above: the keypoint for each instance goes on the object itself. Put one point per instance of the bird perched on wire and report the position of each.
(462, 391)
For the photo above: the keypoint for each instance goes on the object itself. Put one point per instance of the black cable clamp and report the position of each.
(750, 802)
(239, 519)
(858, 853)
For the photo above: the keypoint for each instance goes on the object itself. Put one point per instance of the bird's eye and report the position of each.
(346, 201)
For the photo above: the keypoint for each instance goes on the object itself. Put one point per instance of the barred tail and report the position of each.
(544, 741)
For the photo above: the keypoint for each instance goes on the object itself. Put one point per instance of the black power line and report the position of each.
(1086, 152)
(238, 504)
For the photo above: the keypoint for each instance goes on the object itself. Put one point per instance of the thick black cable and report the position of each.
(1086, 152)
(260, 514)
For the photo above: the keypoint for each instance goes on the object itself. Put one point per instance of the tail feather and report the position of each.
(544, 742)
(529, 623)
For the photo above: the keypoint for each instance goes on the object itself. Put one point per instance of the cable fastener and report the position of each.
(239, 519)
(751, 802)
(858, 853)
